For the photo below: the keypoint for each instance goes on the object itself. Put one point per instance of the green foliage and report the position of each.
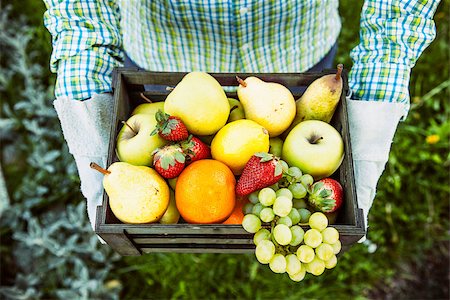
(48, 249)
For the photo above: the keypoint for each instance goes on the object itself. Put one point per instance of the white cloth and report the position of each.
(372, 128)
(86, 126)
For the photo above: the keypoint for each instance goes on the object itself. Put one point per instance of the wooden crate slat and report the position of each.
(193, 240)
(204, 249)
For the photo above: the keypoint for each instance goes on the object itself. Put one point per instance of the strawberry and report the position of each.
(262, 169)
(327, 195)
(169, 127)
(169, 161)
(195, 149)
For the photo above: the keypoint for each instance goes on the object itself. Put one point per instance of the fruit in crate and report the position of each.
(169, 161)
(200, 102)
(269, 104)
(326, 195)
(137, 194)
(135, 144)
(276, 145)
(170, 128)
(237, 214)
(315, 147)
(236, 110)
(205, 192)
(195, 149)
(320, 99)
(262, 169)
(283, 244)
(148, 108)
(237, 141)
(171, 215)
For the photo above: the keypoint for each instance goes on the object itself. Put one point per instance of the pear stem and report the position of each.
(241, 82)
(125, 123)
(145, 98)
(339, 71)
(94, 166)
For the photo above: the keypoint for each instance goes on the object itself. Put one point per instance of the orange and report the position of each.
(237, 215)
(204, 192)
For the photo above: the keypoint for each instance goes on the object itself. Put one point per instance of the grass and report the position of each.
(407, 256)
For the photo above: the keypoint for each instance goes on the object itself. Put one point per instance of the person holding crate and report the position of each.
(90, 38)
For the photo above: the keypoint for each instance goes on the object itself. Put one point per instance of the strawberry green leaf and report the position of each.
(325, 193)
(155, 131)
(179, 157)
(264, 156)
(167, 161)
(317, 186)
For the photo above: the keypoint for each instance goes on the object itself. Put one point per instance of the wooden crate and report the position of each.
(131, 239)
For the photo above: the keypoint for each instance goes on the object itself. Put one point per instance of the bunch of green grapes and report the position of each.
(283, 243)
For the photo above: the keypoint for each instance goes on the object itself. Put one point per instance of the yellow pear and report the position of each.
(320, 99)
(269, 104)
(200, 102)
(137, 194)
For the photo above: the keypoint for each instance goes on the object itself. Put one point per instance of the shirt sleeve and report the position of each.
(393, 35)
(87, 45)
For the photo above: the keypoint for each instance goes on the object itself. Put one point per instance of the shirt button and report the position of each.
(243, 10)
(245, 47)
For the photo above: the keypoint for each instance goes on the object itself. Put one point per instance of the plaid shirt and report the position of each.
(89, 38)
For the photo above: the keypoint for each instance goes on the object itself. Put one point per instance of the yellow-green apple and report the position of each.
(315, 147)
(172, 215)
(135, 144)
(148, 108)
(276, 145)
(236, 110)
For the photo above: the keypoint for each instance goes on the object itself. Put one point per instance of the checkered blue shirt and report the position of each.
(90, 37)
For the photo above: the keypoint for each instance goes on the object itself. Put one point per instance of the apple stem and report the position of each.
(339, 71)
(316, 139)
(145, 98)
(169, 88)
(94, 166)
(233, 108)
(125, 123)
(241, 82)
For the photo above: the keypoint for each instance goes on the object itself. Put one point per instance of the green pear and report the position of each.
(172, 215)
(269, 104)
(276, 145)
(320, 99)
(135, 144)
(236, 110)
(200, 102)
(137, 194)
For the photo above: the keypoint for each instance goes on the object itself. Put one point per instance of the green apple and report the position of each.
(315, 147)
(276, 145)
(135, 144)
(148, 108)
(207, 139)
(172, 182)
(236, 110)
(172, 215)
